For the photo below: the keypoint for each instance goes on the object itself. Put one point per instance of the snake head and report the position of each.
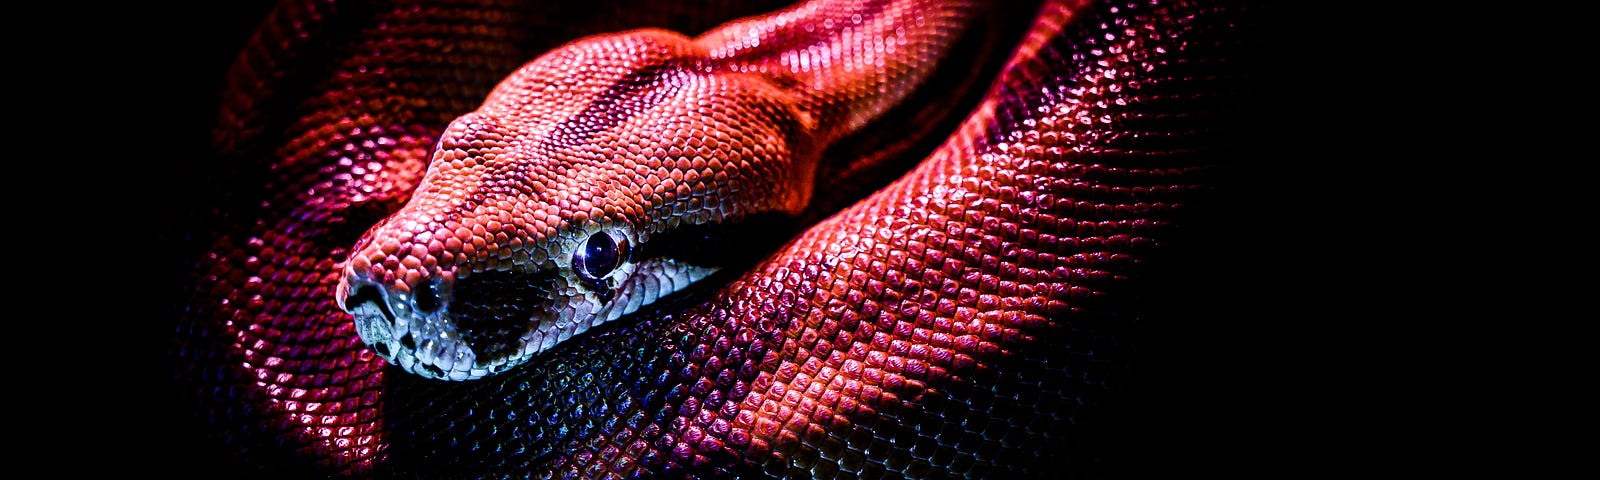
(595, 180)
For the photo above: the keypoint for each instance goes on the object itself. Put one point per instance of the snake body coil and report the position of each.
(944, 325)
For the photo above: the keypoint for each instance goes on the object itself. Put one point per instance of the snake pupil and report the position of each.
(600, 255)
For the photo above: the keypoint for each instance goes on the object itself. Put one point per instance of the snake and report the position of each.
(833, 239)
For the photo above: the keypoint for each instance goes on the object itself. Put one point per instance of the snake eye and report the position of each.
(599, 256)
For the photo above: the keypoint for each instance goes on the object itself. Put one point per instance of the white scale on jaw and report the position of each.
(642, 287)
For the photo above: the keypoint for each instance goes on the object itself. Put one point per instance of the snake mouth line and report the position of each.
(463, 325)
(365, 304)
(424, 343)
(452, 331)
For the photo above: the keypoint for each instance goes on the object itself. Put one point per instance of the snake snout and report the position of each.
(426, 297)
(368, 302)
(408, 323)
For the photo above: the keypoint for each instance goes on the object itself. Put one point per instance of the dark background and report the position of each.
(1294, 333)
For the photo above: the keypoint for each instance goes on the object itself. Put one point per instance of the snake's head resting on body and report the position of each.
(553, 207)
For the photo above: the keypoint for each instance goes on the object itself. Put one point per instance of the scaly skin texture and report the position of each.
(612, 143)
(946, 325)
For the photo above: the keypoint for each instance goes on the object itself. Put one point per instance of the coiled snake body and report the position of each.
(944, 325)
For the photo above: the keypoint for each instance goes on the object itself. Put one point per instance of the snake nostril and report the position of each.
(427, 297)
(367, 293)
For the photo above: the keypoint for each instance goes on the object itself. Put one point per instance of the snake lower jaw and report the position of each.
(458, 336)
(426, 346)
(432, 345)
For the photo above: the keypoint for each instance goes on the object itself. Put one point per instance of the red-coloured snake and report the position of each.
(645, 253)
